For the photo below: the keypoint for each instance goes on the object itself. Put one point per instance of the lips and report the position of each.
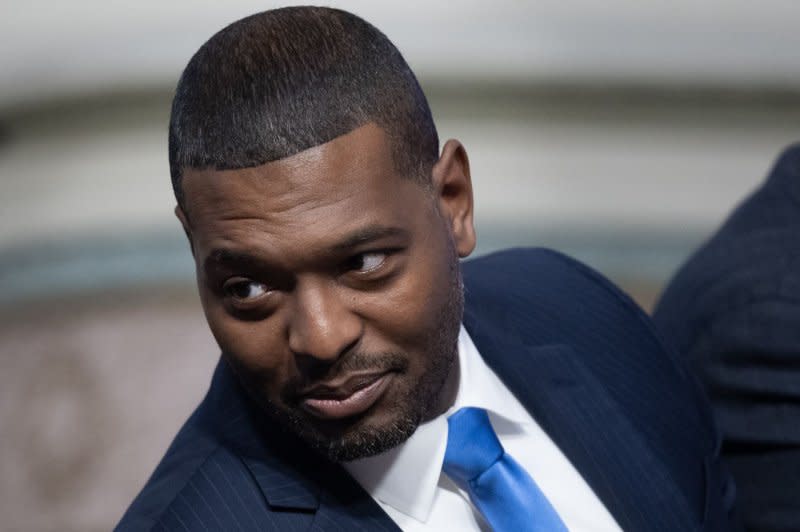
(345, 398)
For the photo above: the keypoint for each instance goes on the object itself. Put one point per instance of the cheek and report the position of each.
(410, 314)
(252, 346)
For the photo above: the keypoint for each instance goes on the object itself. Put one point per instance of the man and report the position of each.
(327, 226)
(734, 312)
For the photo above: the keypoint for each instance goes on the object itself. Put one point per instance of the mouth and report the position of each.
(346, 398)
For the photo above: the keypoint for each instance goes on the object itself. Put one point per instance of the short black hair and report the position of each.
(279, 82)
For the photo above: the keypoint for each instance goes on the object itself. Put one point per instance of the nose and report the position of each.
(321, 325)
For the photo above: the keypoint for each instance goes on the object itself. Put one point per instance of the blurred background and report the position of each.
(621, 132)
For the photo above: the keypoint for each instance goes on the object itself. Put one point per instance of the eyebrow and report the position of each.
(360, 237)
(223, 256)
(366, 235)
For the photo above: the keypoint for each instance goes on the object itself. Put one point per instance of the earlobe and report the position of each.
(185, 224)
(453, 188)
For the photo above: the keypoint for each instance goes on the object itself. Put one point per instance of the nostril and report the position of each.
(313, 368)
(318, 360)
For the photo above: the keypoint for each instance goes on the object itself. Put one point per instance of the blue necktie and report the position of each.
(498, 486)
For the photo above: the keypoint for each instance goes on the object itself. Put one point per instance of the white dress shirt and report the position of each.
(409, 485)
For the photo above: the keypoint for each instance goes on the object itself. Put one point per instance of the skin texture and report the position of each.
(326, 273)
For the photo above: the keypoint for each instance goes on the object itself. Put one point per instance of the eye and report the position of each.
(367, 262)
(244, 290)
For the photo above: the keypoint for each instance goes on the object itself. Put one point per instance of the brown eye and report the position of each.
(244, 289)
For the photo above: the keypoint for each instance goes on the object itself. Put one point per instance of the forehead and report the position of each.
(337, 186)
(351, 159)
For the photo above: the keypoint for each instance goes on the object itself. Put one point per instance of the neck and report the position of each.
(448, 392)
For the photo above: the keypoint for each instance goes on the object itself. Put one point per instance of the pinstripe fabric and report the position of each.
(593, 372)
(576, 352)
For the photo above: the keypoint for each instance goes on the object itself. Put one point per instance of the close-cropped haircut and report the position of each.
(280, 82)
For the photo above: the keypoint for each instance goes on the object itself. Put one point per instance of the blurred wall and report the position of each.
(621, 132)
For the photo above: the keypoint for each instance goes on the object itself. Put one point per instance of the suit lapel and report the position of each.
(576, 411)
(291, 477)
(339, 503)
(284, 480)
(345, 506)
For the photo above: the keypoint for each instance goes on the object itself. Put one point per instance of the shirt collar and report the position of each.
(480, 387)
(406, 476)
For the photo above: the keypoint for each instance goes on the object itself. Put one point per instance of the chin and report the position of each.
(372, 433)
(367, 439)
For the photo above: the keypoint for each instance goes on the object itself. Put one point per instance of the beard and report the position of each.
(408, 402)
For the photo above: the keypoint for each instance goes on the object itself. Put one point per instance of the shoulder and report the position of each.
(203, 480)
(190, 456)
(745, 266)
(546, 296)
(215, 473)
(546, 299)
(519, 270)
(515, 260)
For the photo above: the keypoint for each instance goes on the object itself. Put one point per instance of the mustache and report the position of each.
(316, 371)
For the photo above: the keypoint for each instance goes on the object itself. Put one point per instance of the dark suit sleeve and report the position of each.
(733, 311)
(745, 348)
(720, 488)
(752, 374)
(547, 298)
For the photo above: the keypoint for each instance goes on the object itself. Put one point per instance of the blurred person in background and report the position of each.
(733, 311)
(363, 384)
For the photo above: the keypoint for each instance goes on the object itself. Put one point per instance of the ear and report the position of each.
(453, 188)
(185, 223)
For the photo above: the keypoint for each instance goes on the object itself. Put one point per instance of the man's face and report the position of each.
(332, 286)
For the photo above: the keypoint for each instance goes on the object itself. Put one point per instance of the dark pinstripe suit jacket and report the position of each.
(733, 311)
(580, 356)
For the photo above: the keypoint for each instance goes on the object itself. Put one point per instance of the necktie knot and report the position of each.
(501, 490)
(472, 445)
